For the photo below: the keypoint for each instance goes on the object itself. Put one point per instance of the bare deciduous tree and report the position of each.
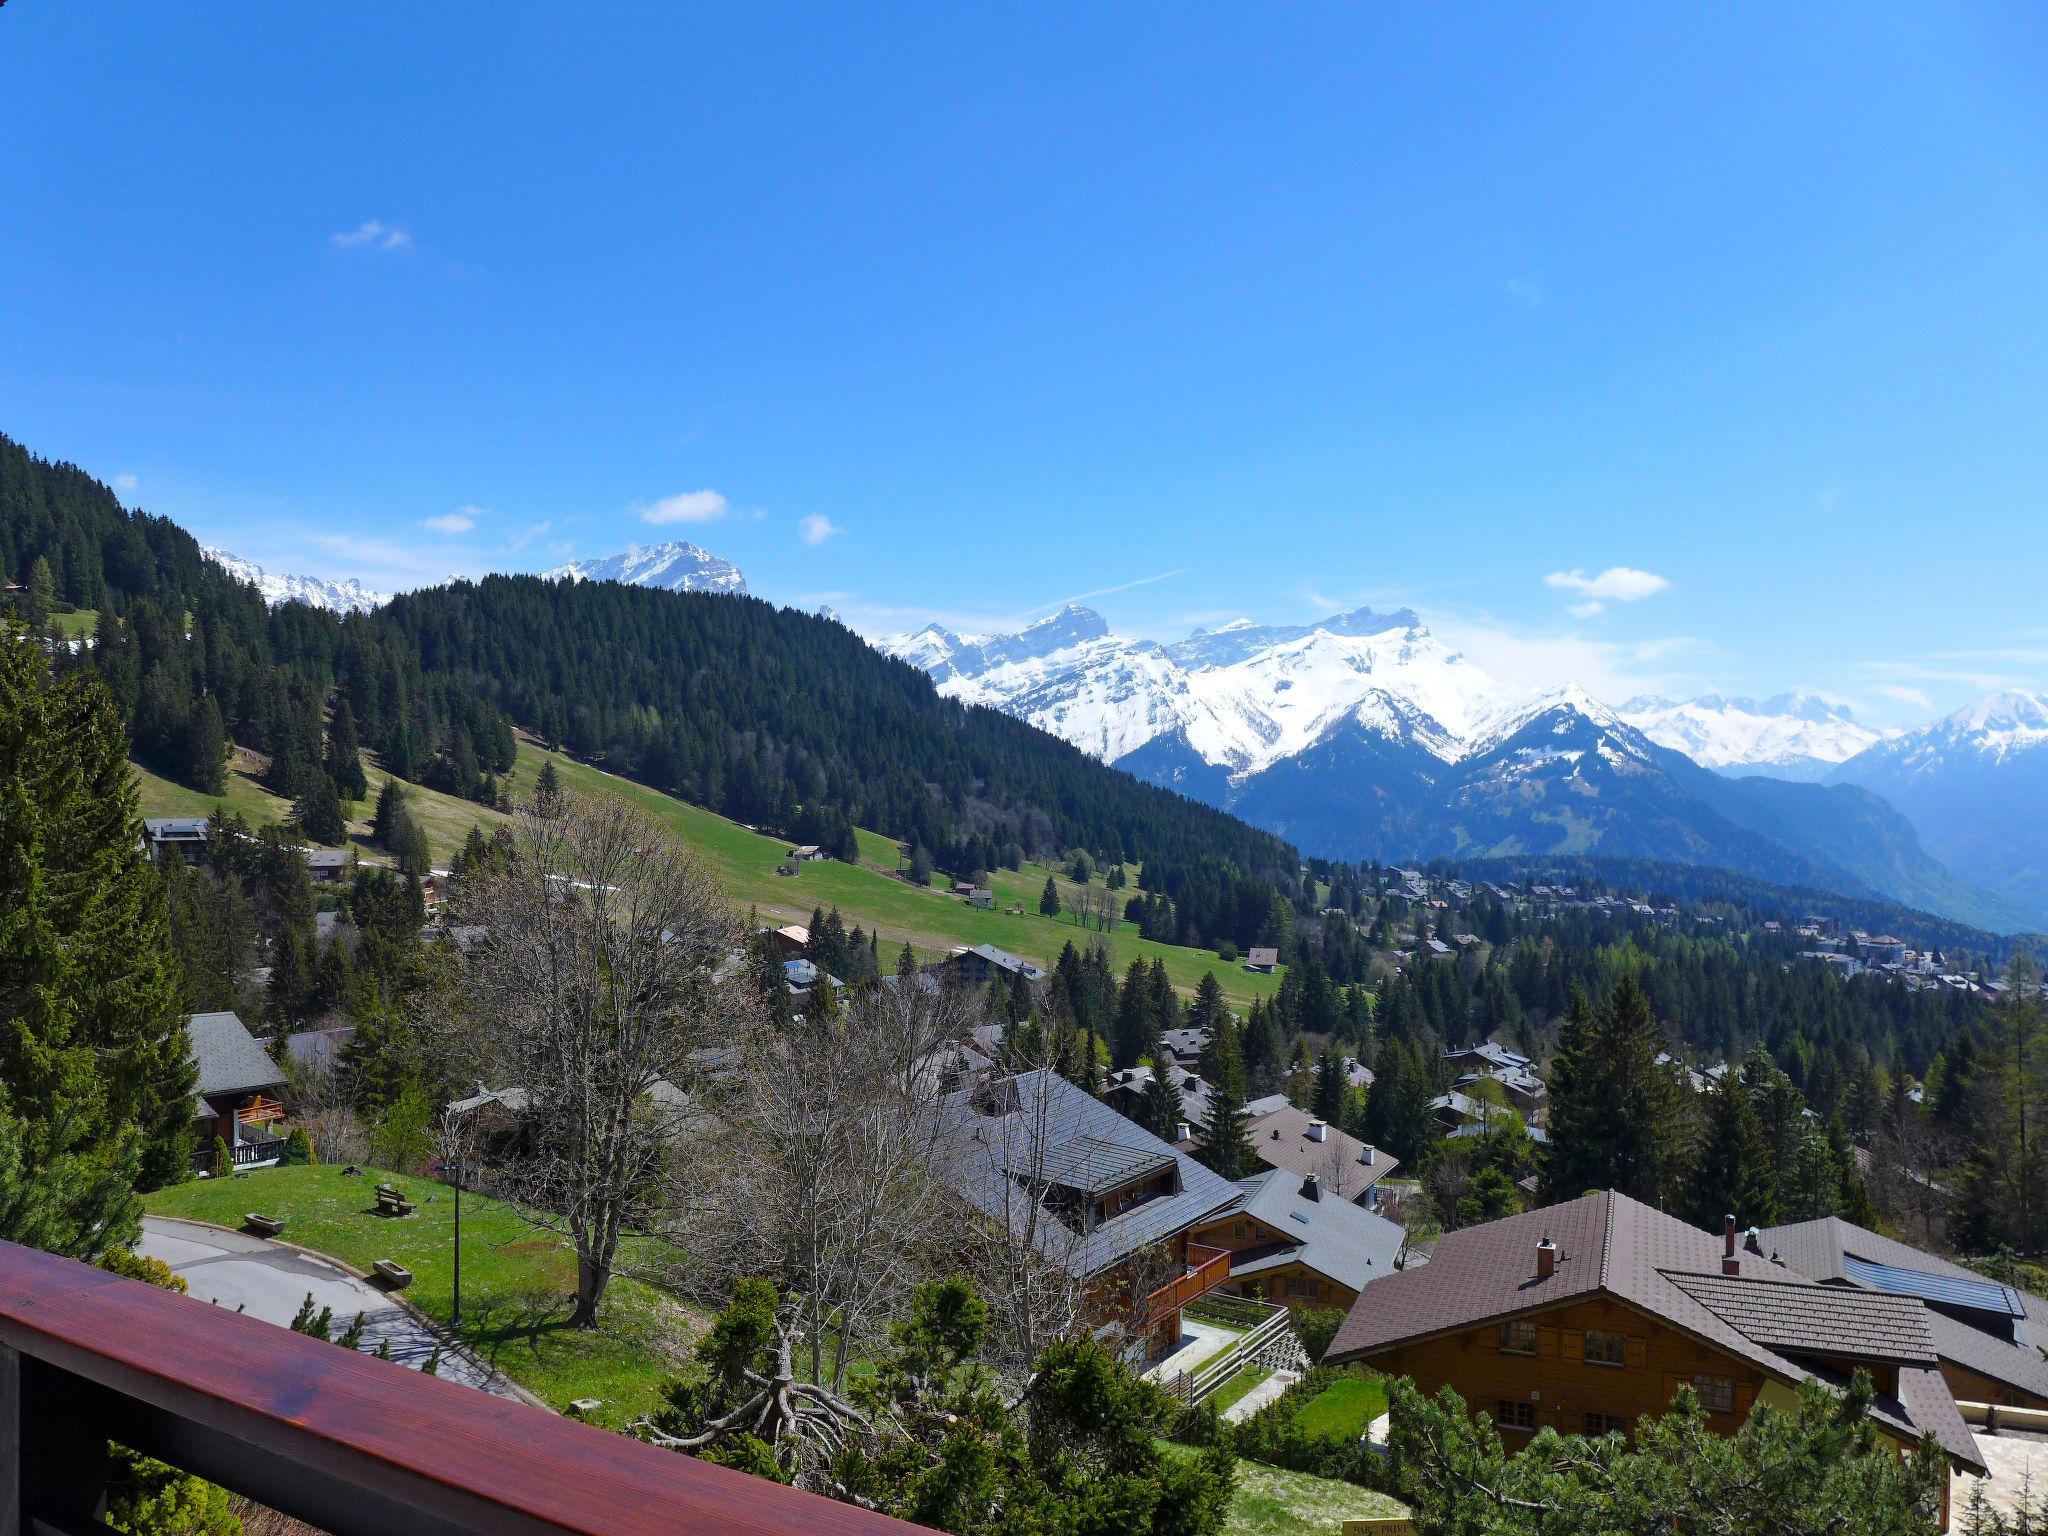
(591, 988)
(827, 1179)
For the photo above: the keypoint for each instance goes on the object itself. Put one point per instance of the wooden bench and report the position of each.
(391, 1201)
(393, 1273)
(266, 1226)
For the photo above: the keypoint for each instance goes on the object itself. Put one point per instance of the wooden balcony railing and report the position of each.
(260, 1110)
(1206, 1269)
(351, 1444)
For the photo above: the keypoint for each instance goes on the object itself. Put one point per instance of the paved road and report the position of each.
(270, 1281)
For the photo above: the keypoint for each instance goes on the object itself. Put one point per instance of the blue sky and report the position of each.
(955, 312)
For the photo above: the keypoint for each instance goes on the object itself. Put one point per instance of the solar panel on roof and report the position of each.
(1950, 1290)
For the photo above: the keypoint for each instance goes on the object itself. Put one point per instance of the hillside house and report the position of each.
(178, 837)
(1296, 1142)
(325, 866)
(1486, 1057)
(1126, 1088)
(791, 938)
(1587, 1315)
(1985, 1334)
(239, 1097)
(1294, 1242)
(973, 967)
(1262, 959)
(1094, 1194)
(1186, 1045)
(806, 853)
(981, 898)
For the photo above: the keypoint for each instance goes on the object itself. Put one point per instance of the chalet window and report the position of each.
(1518, 1338)
(1604, 1424)
(1513, 1415)
(1606, 1348)
(1298, 1286)
(1238, 1231)
(1716, 1393)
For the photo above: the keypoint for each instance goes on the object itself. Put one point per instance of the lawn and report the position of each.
(932, 921)
(1343, 1411)
(1228, 1394)
(516, 1280)
(1268, 1501)
(77, 624)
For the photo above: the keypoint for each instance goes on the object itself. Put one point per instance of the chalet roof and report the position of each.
(175, 828)
(1003, 960)
(1186, 1043)
(991, 1161)
(1327, 1234)
(229, 1058)
(1842, 1253)
(1281, 1138)
(1609, 1244)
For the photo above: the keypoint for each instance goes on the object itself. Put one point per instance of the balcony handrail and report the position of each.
(352, 1444)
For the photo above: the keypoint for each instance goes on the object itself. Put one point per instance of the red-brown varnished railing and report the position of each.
(355, 1445)
(1206, 1269)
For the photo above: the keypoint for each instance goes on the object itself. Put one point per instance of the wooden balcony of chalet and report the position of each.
(258, 1110)
(1206, 1269)
(351, 1444)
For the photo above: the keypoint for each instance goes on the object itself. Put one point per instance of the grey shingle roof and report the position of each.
(1608, 1243)
(992, 1162)
(1331, 1236)
(1794, 1314)
(228, 1057)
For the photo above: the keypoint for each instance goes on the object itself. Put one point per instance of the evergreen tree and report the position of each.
(1137, 1026)
(205, 748)
(344, 766)
(93, 1062)
(40, 594)
(317, 811)
(1616, 1119)
(1049, 899)
(1331, 1086)
(1224, 1145)
(1734, 1175)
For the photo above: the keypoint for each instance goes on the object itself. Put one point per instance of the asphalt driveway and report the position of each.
(271, 1281)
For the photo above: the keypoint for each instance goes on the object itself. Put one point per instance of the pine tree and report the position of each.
(1224, 1144)
(344, 766)
(1330, 1085)
(40, 595)
(1136, 1025)
(1616, 1119)
(1734, 1173)
(317, 811)
(1162, 1111)
(547, 789)
(205, 748)
(1049, 899)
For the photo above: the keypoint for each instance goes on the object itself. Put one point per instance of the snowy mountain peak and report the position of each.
(1999, 715)
(674, 566)
(349, 596)
(1796, 735)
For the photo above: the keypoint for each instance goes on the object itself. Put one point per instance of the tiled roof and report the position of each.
(229, 1058)
(1282, 1140)
(1608, 1243)
(1820, 1250)
(1796, 1315)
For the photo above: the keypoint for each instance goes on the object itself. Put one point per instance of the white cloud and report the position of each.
(461, 520)
(1587, 609)
(1914, 696)
(372, 235)
(688, 507)
(124, 482)
(1618, 583)
(817, 528)
(1525, 660)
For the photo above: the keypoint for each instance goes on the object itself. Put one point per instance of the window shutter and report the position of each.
(1546, 1342)
(1639, 1352)
(1574, 1344)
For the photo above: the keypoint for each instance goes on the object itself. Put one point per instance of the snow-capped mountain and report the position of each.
(675, 566)
(1974, 783)
(349, 596)
(1242, 697)
(1365, 736)
(1793, 736)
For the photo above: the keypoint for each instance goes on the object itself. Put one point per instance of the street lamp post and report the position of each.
(456, 1316)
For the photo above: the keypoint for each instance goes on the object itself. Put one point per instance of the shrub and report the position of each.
(222, 1162)
(1226, 951)
(136, 1266)
(298, 1148)
(1316, 1327)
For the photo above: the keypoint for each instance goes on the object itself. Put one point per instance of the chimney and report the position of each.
(1546, 1259)
(1182, 1132)
(1312, 1188)
(1728, 1237)
(1369, 1155)
(1318, 1131)
(1753, 1240)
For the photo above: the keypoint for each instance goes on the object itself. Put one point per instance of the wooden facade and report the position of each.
(1294, 1285)
(1556, 1384)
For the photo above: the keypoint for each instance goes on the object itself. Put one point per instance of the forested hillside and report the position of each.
(773, 717)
